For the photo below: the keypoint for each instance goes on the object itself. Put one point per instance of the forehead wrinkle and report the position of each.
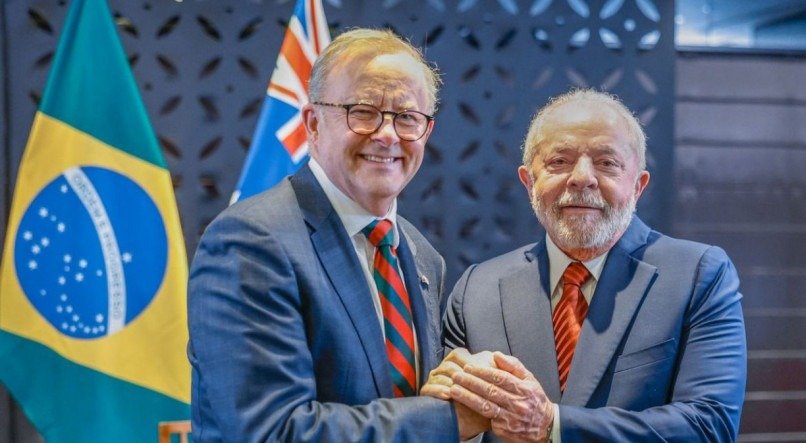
(396, 77)
(571, 144)
(394, 91)
(588, 129)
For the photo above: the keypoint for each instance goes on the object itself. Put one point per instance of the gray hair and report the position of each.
(634, 129)
(369, 42)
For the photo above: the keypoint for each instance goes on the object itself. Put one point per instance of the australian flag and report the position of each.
(279, 145)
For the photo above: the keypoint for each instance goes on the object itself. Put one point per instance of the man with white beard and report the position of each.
(605, 330)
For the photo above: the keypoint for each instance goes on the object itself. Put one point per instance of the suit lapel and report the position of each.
(526, 306)
(624, 282)
(417, 287)
(335, 251)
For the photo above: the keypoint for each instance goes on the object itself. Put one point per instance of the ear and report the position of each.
(428, 130)
(311, 121)
(640, 183)
(526, 179)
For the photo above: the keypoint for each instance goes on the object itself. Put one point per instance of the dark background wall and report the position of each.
(727, 173)
(740, 152)
(203, 67)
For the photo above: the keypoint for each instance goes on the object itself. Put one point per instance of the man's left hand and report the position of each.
(509, 395)
(439, 386)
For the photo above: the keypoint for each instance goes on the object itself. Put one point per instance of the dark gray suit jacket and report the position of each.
(285, 342)
(661, 355)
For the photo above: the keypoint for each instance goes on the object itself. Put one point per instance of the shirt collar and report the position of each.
(558, 261)
(354, 217)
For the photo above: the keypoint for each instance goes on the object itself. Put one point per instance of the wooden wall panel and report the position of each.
(740, 78)
(775, 289)
(744, 169)
(742, 123)
(740, 155)
(750, 248)
(776, 374)
(772, 416)
(779, 330)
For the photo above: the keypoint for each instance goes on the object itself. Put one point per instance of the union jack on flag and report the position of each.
(279, 145)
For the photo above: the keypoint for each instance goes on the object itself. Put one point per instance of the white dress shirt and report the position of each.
(355, 218)
(558, 261)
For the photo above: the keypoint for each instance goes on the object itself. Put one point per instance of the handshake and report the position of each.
(492, 391)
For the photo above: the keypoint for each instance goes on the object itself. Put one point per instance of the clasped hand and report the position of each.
(492, 391)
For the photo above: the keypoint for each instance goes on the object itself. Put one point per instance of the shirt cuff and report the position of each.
(555, 426)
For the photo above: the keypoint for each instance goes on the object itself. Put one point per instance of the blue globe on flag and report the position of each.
(89, 261)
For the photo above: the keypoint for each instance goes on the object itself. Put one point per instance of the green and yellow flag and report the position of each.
(92, 296)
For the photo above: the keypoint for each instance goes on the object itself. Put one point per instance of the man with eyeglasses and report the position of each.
(314, 307)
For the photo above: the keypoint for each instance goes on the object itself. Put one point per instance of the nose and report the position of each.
(583, 175)
(386, 134)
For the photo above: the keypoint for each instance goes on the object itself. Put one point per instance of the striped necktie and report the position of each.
(568, 317)
(396, 308)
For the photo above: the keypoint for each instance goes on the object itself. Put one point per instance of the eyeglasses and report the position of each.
(366, 119)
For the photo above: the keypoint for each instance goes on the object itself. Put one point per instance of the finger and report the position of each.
(484, 388)
(519, 397)
(446, 368)
(442, 380)
(483, 359)
(499, 428)
(474, 402)
(441, 392)
(504, 380)
(460, 356)
(512, 365)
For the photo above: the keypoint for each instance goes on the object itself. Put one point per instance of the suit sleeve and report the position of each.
(705, 404)
(254, 377)
(453, 324)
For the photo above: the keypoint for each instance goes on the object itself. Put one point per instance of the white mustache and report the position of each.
(584, 199)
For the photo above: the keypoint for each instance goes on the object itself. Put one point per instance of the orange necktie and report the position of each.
(568, 317)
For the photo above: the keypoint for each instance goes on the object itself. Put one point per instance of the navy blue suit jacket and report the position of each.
(285, 343)
(661, 355)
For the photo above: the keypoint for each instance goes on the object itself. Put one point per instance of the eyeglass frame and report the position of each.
(348, 106)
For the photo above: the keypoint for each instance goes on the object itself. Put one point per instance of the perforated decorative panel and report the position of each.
(203, 66)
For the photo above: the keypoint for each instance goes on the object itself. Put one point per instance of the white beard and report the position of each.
(589, 231)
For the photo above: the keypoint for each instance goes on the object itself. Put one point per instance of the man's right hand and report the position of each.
(439, 385)
(509, 395)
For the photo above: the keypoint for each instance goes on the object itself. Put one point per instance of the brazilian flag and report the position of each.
(92, 296)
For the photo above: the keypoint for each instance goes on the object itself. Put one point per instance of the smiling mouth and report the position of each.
(377, 159)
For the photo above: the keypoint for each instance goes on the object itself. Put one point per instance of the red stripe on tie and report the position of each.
(394, 317)
(377, 235)
(400, 362)
(568, 316)
(390, 274)
(386, 272)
